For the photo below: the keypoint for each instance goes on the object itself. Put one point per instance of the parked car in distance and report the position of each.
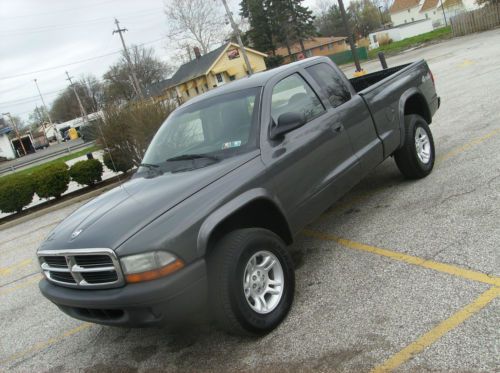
(228, 182)
(40, 142)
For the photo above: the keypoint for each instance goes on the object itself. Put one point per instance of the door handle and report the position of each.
(337, 127)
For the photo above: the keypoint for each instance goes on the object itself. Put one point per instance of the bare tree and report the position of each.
(198, 22)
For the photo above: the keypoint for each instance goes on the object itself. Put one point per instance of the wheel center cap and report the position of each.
(258, 281)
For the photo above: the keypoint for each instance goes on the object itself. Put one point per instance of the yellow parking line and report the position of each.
(24, 284)
(452, 153)
(8, 270)
(42, 345)
(467, 146)
(414, 260)
(439, 331)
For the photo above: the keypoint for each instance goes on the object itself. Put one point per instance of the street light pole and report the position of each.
(444, 13)
(46, 111)
(238, 37)
(16, 130)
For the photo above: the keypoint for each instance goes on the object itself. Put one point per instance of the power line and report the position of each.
(14, 32)
(75, 62)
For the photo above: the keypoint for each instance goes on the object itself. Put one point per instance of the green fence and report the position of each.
(346, 56)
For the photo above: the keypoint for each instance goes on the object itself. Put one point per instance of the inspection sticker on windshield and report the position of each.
(231, 144)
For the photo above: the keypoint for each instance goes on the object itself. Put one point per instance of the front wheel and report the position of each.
(415, 159)
(251, 281)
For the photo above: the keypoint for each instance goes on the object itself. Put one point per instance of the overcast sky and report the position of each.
(42, 39)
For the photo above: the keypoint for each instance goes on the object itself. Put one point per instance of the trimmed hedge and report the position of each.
(120, 163)
(86, 172)
(52, 180)
(16, 192)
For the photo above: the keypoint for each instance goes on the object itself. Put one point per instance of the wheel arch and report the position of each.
(254, 209)
(412, 102)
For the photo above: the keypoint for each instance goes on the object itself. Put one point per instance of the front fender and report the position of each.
(228, 209)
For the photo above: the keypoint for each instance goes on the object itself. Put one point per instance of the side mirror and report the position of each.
(287, 122)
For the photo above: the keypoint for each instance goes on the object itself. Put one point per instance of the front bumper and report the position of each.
(168, 299)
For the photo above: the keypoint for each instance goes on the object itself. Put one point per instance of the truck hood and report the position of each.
(112, 218)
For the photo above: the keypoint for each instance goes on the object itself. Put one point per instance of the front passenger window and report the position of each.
(293, 94)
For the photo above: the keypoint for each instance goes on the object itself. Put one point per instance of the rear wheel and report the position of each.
(251, 281)
(415, 159)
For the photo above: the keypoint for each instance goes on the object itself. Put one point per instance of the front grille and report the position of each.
(91, 268)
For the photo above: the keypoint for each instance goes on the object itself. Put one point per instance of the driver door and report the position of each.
(310, 166)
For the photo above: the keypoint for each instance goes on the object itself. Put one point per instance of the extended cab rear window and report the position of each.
(331, 82)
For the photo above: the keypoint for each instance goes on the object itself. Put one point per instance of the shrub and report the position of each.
(128, 130)
(274, 61)
(52, 180)
(120, 163)
(86, 172)
(16, 192)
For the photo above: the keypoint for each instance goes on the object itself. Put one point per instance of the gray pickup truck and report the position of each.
(228, 181)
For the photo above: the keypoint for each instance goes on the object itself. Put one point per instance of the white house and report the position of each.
(408, 11)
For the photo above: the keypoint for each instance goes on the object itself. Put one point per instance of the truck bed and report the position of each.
(368, 80)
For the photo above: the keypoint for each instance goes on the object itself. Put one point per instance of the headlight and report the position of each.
(149, 266)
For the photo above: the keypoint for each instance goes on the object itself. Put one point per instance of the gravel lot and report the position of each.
(366, 295)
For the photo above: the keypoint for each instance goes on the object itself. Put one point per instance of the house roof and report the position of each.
(156, 89)
(400, 5)
(429, 4)
(196, 67)
(452, 3)
(309, 44)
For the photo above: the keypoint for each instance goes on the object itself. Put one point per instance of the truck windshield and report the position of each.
(214, 128)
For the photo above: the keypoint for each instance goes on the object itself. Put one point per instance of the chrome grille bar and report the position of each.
(108, 274)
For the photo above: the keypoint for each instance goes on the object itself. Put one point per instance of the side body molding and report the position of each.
(229, 208)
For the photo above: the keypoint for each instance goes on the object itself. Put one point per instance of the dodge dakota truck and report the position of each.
(227, 183)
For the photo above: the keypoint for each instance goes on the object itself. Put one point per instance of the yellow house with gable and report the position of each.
(212, 70)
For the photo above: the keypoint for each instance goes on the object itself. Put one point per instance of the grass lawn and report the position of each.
(398, 46)
(64, 158)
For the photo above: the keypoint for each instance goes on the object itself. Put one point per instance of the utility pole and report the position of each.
(238, 37)
(349, 36)
(40, 117)
(444, 13)
(47, 111)
(82, 109)
(16, 130)
(136, 84)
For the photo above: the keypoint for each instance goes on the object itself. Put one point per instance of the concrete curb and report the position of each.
(69, 202)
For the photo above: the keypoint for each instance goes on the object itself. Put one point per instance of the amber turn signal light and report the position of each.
(155, 273)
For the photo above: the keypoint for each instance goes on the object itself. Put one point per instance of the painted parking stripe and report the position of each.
(45, 344)
(444, 157)
(6, 271)
(24, 284)
(439, 331)
(409, 259)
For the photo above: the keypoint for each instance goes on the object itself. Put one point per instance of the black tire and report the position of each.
(226, 266)
(407, 159)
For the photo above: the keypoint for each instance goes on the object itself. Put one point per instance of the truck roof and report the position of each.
(256, 80)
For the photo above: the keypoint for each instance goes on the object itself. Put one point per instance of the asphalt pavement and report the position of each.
(398, 275)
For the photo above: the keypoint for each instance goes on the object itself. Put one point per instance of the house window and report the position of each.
(197, 90)
(309, 53)
(187, 93)
(330, 46)
(426, 16)
(219, 78)
(320, 47)
(232, 77)
(412, 19)
(374, 38)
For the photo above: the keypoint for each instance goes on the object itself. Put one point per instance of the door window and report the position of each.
(333, 84)
(293, 94)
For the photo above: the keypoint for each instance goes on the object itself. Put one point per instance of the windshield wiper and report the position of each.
(149, 165)
(187, 157)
